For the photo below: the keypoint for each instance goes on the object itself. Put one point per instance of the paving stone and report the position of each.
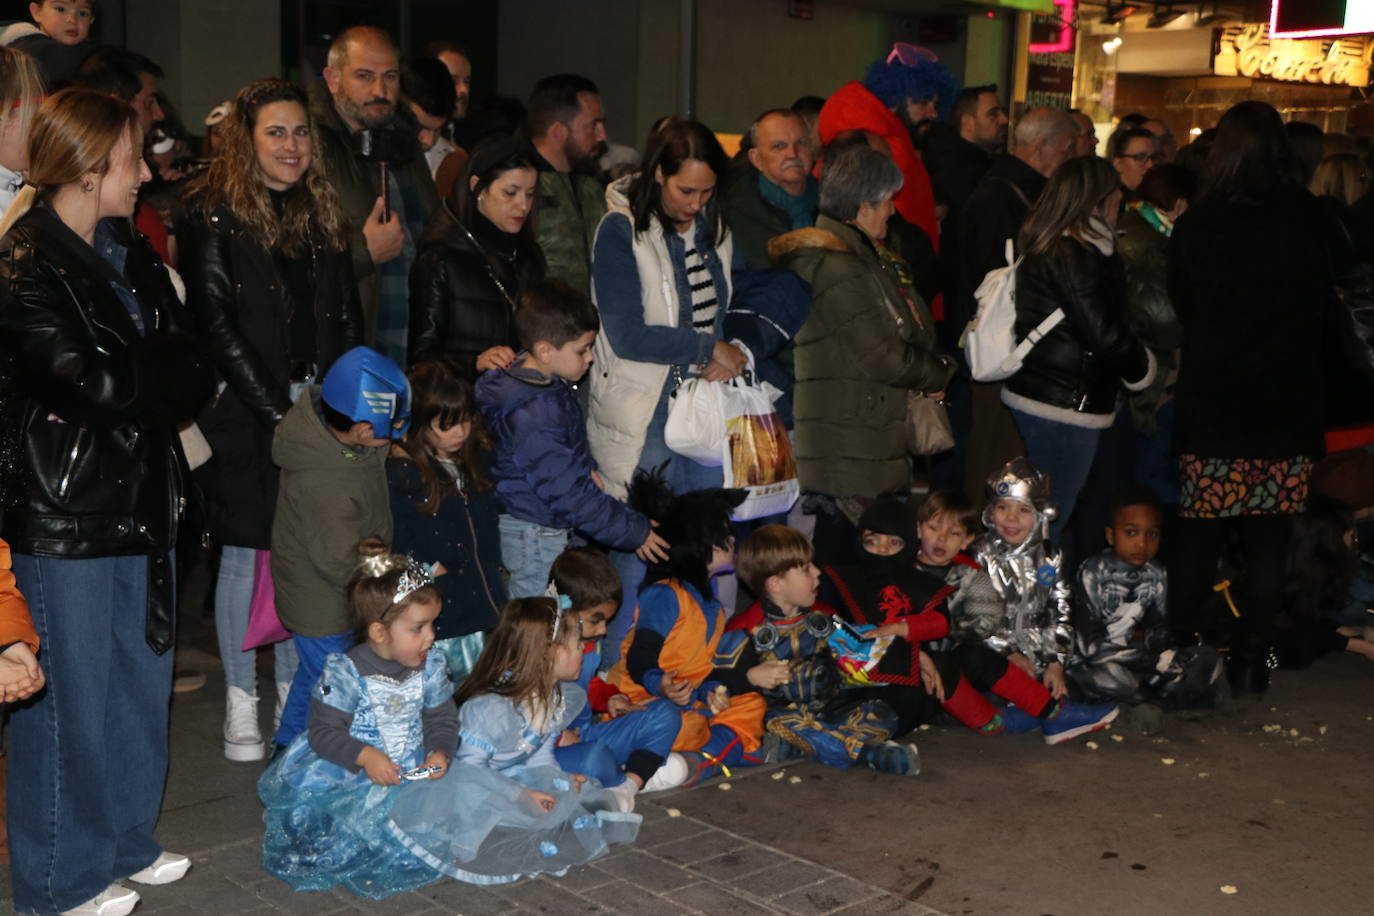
(457, 897)
(631, 900)
(544, 896)
(645, 871)
(670, 830)
(582, 879)
(698, 848)
(198, 829)
(827, 896)
(306, 903)
(782, 879)
(736, 864)
(886, 905)
(240, 863)
(201, 888)
(715, 900)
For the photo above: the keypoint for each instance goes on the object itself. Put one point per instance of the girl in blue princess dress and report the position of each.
(505, 810)
(378, 714)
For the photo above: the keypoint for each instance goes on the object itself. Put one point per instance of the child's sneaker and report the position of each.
(697, 770)
(670, 775)
(1016, 721)
(775, 750)
(115, 900)
(1071, 720)
(622, 797)
(891, 757)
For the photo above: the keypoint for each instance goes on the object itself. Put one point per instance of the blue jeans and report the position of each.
(233, 598)
(606, 746)
(528, 551)
(88, 756)
(1063, 451)
(312, 650)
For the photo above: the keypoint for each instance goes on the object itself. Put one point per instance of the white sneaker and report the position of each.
(115, 900)
(166, 868)
(672, 774)
(623, 796)
(283, 691)
(242, 736)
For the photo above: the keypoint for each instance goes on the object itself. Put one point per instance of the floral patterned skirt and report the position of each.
(1228, 487)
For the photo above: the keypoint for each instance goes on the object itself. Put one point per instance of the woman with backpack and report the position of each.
(1067, 388)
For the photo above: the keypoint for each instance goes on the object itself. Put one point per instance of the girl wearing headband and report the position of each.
(381, 716)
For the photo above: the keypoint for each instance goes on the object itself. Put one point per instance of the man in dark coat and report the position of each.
(360, 92)
(772, 191)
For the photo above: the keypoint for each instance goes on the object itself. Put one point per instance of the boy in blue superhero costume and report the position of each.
(627, 746)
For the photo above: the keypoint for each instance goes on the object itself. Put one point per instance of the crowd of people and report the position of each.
(412, 370)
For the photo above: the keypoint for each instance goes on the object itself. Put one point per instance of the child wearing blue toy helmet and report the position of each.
(331, 448)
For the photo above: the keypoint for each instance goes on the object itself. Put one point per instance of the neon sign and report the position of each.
(1351, 17)
(1065, 40)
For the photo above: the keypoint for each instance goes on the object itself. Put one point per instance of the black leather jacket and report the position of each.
(1080, 365)
(244, 309)
(464, 287)
(95, 404)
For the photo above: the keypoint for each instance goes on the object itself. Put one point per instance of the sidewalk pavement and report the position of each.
(679, 864)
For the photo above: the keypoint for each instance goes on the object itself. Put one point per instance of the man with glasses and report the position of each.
(1132, 152)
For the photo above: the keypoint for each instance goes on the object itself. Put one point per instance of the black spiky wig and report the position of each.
(692, 523)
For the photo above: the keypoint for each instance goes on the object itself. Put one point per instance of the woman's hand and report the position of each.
(769, 675)
(437, 759)
(727, 361)
(1054, 681)
(20, 675)
(495, 358)
(379, 767)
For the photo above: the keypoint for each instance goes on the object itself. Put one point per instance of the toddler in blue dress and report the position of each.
(377, 714)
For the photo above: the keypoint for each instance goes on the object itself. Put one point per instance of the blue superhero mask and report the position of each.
(367, 387)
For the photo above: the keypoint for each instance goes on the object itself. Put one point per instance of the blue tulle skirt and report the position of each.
(481, 825)
(327, 827)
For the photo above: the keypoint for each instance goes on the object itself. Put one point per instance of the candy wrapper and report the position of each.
(857, 655)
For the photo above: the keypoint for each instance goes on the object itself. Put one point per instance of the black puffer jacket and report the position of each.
(244, 309)
(464, 288)
(94, 405)
(1080, 366)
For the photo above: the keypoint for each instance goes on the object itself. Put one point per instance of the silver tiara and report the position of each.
(560, 604)
(415, 577)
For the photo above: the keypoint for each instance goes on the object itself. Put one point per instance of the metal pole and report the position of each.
(687, 62)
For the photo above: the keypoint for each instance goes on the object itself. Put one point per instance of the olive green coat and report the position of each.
(570, 207)
(861, 349)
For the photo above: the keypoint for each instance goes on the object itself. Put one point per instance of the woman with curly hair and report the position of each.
(268, 275)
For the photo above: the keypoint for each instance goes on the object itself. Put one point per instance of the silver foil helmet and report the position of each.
(1022, 481)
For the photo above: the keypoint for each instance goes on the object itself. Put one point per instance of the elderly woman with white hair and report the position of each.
(868, 340)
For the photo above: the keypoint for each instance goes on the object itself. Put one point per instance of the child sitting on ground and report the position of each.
(331, 448)
(378, 712)
(444, 509)
(543, 466)
(1030, 627)
(810, 711)
(1121, 623)
(669, 653)
(506, 810)
(627, 746)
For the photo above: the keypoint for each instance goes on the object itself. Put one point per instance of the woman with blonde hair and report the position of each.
(268, 276)
(1343, 177)
(21, 91)
(101, 377)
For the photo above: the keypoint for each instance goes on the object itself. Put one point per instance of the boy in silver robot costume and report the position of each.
(1032, 619)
